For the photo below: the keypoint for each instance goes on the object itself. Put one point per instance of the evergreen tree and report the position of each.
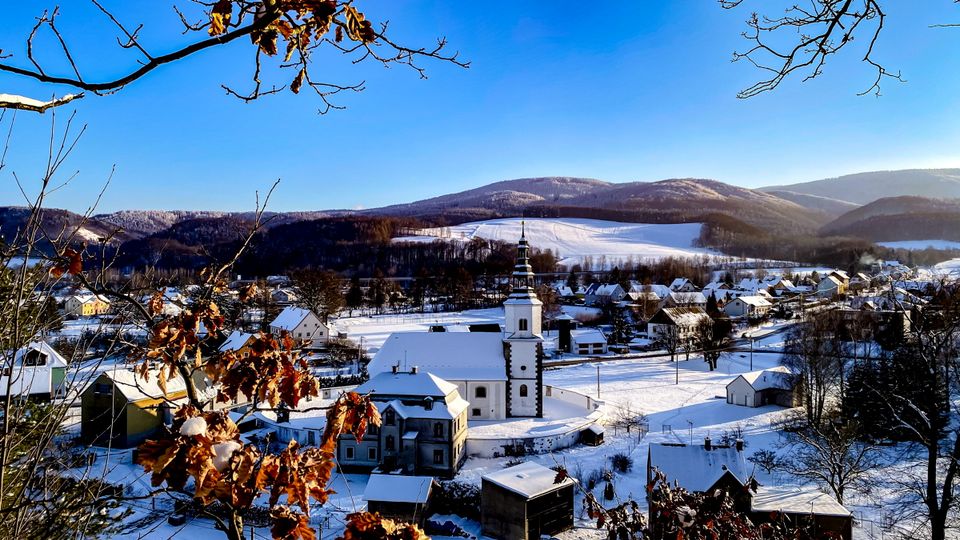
(573, 281)
(354, 297)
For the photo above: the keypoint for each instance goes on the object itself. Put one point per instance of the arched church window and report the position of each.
(523, 390)
(480, 392)
(522, 325)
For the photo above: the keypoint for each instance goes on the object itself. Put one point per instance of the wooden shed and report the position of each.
(592, 435)
(400, 497)
(523, 503)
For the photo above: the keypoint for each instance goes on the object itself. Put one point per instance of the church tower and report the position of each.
(523, 342)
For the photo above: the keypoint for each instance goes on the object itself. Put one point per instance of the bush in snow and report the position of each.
(458, 498)
(622, 463)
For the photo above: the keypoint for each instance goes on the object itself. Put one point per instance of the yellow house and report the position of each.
(85, 305)
(120, 409)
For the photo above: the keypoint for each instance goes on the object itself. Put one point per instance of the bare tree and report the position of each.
(299, 29)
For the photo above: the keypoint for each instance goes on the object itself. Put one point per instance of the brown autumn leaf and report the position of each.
(358, 28)
(290, 525)
(220, 15)
(155, 306)
(298, 81)
(248, 292)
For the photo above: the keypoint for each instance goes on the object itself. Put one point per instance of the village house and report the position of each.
(85, 305)
(682, 285)
(284, 296)
(772, 386)
(588, 341)
(423, 427)
(121, 409)
(524, 502)
(677, 324)
(38, 373)
(829, 286)
(500, 373)
(301, 324)
(399, 497)
(750, 307)
(600, 294)
(803, 507)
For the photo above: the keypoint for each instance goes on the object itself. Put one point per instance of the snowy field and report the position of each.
(921, 244)
(951, 267)
(574, 240)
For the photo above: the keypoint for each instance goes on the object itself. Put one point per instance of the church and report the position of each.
(499, 373)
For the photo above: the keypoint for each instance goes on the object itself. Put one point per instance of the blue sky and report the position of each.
(619, 91)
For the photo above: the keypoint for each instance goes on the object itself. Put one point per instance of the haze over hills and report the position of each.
(866, 187)
(900, 219)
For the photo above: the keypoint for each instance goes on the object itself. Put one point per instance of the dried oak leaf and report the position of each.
(219, 17)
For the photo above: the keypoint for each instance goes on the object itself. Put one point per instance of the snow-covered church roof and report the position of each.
(454, 356)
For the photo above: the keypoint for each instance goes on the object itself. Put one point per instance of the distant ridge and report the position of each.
(866, 187)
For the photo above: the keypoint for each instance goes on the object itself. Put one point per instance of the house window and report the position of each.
(475, 412)
(480, 392)
(522, 325)
(523, 390)
(372, 453)
(438, 429)
(34, 358)
(349, 452)
(438, 457)
(390, 418)
(372, 429)
(389, 444)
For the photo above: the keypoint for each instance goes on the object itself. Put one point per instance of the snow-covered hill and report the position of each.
(575, 240)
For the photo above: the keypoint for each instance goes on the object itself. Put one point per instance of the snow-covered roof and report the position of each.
(136, 388)
(595, 428)
(775, 377)
(440, 410)
(831, 279)
(405, 383)
(587, 335)
(695, 468)
(755, 301)
(604, 289)
(53, 357)
(235, 341)
(398, 488)
(454, 356)
(290, 318)
(841, 274)
(528, 479)
(679, 282)
(682, 316)
(796, 501)
(688, 298)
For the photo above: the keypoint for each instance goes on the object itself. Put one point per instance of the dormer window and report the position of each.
(522, 325)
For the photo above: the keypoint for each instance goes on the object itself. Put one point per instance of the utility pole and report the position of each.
(751, 352)
(598, 381)
(676, 364)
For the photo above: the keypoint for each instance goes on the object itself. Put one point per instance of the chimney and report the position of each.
(707, 443)
(739, 445)
(413, 370)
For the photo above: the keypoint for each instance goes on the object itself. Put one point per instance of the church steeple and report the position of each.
(522, 271)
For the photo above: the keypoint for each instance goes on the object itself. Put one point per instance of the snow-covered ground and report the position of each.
(921, 244)
(574, 240)
(951, 268)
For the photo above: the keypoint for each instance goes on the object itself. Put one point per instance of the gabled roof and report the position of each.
(290, 318)
(764, 379)
(398, 488)
(796, 501)
(53, 357)
(679, 282)
(695, 468)
(454, 356)
(528, 479)
(681, 316)
(688, 298)
(588, 335)
(405, 383)
(756, 301)
(235, 341)
(136, 388)
(830, 279)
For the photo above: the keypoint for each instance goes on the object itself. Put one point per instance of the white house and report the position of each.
(684, 299)
(682, 285)
(677, 324)
(829, 286)
(604, 293)
(38, 373)
(301, 324)
(499, 373)
(588, 341)
(772, 386)
(747, 306)
(85, 305)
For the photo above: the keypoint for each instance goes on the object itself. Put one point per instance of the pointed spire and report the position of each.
(522, 271)
(523, 229)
